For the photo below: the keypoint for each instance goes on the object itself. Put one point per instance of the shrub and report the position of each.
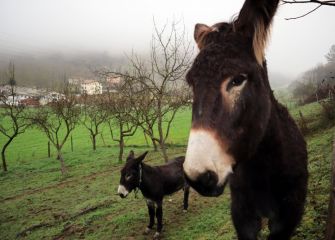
(328, 110)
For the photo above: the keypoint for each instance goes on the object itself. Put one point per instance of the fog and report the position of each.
(40, 27)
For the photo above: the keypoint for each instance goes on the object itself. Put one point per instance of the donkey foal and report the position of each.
(154, 183)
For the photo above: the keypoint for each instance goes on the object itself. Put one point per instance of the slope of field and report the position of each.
(37, 203)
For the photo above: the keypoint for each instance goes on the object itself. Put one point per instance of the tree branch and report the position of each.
(321, 3)
(304, 15)
(326, 3)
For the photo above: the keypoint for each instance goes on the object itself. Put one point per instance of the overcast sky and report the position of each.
(118, 26)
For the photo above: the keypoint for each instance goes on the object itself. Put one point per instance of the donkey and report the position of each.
(240, 134)
(154, 183)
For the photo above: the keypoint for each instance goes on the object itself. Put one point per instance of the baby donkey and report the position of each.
(154, 183)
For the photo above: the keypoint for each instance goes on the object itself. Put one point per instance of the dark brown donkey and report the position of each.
(240, 133)
(154, 183)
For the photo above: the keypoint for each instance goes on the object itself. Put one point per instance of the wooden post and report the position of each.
(49, 153)
(330, 229)
(103, 140)
(71, 143)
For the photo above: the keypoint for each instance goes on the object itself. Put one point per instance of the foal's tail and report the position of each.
(180, 160)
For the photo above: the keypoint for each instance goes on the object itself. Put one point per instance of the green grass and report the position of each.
(34, 144)
(34, 195)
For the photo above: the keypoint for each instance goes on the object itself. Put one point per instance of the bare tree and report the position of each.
(319, 3)
(95, 113)
(331, 55)
(120, 117)
(13, 120)
(161, 76)
(142, 104)
(57, 121)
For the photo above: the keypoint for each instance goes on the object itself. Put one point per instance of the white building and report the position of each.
(90, 87)
(74, 81)
(15, 100)
(51, 97)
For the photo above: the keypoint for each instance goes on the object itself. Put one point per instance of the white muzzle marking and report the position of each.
(122, 190)
(204, 153)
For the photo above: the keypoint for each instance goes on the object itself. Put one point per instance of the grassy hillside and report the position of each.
(37, 203)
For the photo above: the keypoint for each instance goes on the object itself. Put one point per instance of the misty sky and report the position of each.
(117, 27)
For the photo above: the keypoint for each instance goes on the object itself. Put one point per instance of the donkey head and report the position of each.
(231, 96)
(130, 174)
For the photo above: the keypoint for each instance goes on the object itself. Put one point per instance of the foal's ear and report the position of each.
(131, 155)
(200, 31)
(255, 20)
(140, 158)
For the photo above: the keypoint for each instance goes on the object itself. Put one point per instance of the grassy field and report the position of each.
(36, 202)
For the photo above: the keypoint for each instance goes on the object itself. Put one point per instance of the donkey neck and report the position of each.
(150, 182)
(270, 147)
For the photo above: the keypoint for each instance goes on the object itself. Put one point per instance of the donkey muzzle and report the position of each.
(207, 164)
(122, 191)
(206, 184)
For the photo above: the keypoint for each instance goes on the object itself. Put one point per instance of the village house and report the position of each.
(111, 83)
(90, 87)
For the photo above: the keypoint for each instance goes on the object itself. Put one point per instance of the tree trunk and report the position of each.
(94, 142)
(154, 144)
(49, 152)
(3, 154)
(61, 160)
(163, 148)
(161, 137)
(4, 164)
(146, 139)
(121, 145)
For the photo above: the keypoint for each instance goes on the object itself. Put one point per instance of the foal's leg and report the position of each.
(151, 209)
(186, 194)
(159, 216)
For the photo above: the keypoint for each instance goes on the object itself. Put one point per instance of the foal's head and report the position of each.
(130, 174)
(231, 103)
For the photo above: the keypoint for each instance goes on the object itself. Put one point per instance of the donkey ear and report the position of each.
(131, 155)
(140, 158)
(255, 20)
(200, 31)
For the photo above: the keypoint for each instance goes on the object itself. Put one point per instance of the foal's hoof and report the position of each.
(157, 235)
(185, 211)
(147, 231)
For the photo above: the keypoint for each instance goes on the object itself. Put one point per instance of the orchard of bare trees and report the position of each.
(146, 100)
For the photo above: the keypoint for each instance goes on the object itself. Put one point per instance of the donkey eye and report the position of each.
(128, 176)
(236, 81)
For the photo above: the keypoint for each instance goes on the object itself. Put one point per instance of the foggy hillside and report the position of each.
(49, 70)
(279, 80)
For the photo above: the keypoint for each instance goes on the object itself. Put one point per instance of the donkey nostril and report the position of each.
(209, 178)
